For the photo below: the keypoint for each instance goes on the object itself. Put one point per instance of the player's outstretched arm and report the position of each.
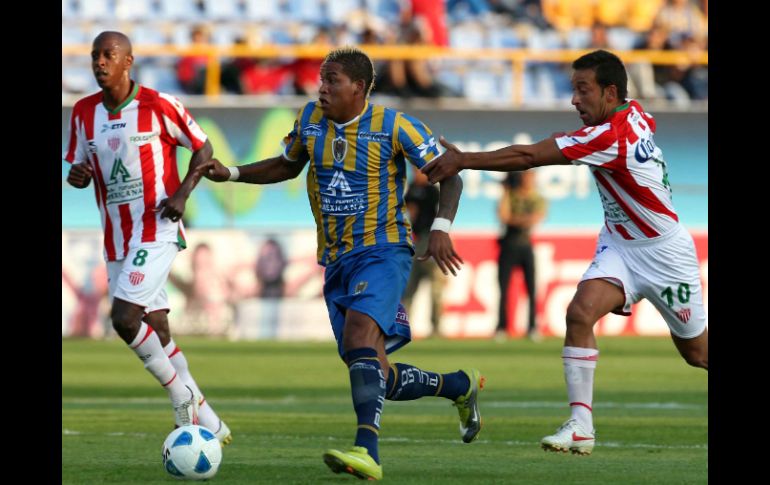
(80, 175)
(439, 243)
(200, 163)
(268, 171)
(511, 158)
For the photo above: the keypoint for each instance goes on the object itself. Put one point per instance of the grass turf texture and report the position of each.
(286, 403)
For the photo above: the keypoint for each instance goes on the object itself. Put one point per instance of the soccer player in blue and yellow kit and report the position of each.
(356, 178)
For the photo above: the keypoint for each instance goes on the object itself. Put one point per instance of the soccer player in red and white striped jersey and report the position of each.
(643, 251)
(124, 138)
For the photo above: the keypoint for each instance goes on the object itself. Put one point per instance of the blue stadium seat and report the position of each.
(68, 11)
(72, 35)
(222, 9)
(263, 10)
(179, 10)
(95, 10)
(134, 10)
(148, 34)
(621, 38)
(481, 86)
(160, 77)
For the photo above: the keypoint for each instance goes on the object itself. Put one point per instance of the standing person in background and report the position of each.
(355, 182)
(422, 203)
(643, 251)
(124, 138)
(519, 210)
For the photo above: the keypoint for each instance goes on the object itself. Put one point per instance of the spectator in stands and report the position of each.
(307, 71)
(191, 70)
(682, 19)
(410, 77)
(433, 14)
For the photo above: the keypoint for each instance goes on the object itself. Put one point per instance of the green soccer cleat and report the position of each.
(355, 461)
(468, 406)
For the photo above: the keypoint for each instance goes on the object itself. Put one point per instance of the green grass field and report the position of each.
(288, 402)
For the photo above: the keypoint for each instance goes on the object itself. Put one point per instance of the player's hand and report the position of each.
(202, 170)
(217, 172)
(446, 165)
(80, 175)
(173, 207)
(441, 249)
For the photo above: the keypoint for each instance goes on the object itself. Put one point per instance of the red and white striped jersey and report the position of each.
(132, 150)
(629, 170)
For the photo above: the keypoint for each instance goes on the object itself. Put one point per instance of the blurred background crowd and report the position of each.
(182, 30)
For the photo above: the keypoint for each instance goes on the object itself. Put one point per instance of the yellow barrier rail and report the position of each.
(517, 57)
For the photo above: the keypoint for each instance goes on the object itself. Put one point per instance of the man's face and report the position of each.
(338, 93)
(589, 98)
(110, 61)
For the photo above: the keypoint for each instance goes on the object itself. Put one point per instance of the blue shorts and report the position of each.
(371, 281)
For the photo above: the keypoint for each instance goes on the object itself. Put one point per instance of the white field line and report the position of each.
(608, 444)
(484, 403)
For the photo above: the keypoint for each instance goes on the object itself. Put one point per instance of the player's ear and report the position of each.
(612, 92)
(129, 61)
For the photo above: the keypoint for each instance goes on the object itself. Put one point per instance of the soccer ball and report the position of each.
(192, 453)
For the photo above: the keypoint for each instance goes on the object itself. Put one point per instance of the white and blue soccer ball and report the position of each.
(192, 453)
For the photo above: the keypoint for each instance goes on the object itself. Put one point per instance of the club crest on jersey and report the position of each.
(135, 277)
(114, 143)
(684, 314)
(360, 287)
(339, 149)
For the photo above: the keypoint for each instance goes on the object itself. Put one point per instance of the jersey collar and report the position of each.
(122, 105)
(348, 123)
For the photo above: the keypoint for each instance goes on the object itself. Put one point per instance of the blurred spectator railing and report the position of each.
(517, 57)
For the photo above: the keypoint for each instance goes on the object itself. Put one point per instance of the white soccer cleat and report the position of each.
(186, 412)
(571, 436)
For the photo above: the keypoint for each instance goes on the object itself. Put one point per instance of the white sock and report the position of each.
(147, 346)
(579, 366)
(206, 415)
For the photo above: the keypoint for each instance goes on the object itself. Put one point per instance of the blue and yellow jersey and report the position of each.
(357, 175)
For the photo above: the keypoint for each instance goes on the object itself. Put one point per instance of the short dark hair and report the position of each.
(609, 69)
(355, 64)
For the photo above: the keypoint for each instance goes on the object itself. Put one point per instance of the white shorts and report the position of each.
(664, 270)
(140, 277)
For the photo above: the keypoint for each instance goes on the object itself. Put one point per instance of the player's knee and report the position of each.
(123, 322)
(579, 316)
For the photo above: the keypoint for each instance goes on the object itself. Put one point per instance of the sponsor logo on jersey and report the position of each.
(424, 147)
(91, 146)
(376, 137)
(644, 150)
(113, 126)
(401, 316)
(143, 138)
(312, 130)
(119, 170)
(135, 277)
(122, 188)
